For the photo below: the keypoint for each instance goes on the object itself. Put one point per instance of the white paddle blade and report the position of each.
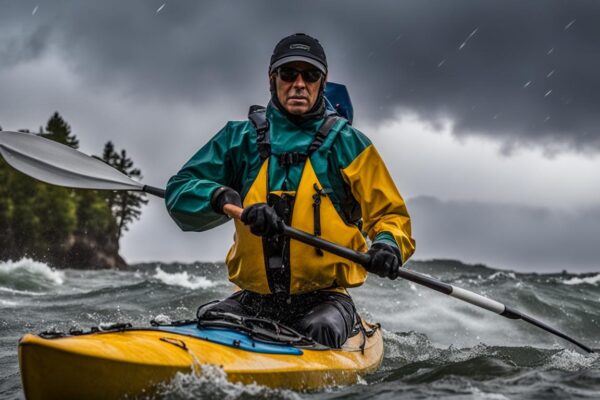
(61, 165)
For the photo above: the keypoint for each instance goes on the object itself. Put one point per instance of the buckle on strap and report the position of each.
(290, 158)
(258, 116)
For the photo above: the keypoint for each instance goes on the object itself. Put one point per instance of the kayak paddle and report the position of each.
(62, 165)
(57, 164)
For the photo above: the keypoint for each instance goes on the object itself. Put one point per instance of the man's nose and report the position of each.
(299, 82)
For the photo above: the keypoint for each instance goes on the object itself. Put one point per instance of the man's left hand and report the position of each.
(384, 261)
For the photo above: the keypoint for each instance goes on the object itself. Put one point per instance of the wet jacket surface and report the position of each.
(358, 195)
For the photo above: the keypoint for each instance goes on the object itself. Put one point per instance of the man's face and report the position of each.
(299, 96)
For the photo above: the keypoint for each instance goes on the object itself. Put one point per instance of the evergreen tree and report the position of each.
(58, 130)
(55, 211)
(65, 227)
(6, 209)
(94, 217)
(125, 205)
(110, 157)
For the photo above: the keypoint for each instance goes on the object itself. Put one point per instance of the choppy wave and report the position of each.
(591, 280)
(8, 303)
(569, 360)
(27, 275)
(502, 275)
(183, 279)
(410, 348)
(435, 346)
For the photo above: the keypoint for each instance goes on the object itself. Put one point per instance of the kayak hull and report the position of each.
(132, 362)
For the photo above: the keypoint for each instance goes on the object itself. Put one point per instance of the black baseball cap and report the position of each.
(299, 47)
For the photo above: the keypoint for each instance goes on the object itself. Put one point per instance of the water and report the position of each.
(434, 345)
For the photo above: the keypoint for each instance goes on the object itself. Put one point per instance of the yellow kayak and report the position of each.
(125, 361)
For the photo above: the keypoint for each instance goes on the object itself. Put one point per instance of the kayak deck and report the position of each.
(132, 361)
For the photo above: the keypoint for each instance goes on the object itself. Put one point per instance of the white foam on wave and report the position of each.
(479, 394)
(502, 274)
(29, 269)
(23, 292)
(212, 383)
(409, 346)
(569, 360)
(183, 279)
(592, 280)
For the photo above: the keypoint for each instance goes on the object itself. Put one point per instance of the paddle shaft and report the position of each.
(424, 280)
(158, 192)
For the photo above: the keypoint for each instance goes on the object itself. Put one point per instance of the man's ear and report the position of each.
(272, 82)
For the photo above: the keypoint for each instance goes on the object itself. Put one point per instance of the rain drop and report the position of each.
(463, 44)
(569, 24)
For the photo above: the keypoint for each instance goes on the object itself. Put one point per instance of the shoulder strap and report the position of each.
(289, 158)
(322, 133)
(258, 116)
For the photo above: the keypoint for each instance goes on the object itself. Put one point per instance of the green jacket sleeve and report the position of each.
(189, 192)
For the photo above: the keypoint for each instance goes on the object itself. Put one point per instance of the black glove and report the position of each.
(384, 262)
(262, 219)
(224, 195)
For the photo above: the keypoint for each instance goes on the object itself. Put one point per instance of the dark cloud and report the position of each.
(515, 237)
(21, 46)
(527, 73)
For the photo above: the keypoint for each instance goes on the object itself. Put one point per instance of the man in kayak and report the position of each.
(299, 163)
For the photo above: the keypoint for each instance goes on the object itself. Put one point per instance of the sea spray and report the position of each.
(212, 383)
(183, 279)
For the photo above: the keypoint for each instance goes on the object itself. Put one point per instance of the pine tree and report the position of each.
(6, 209)
(125, 205)
(66, 227)
(58, 130)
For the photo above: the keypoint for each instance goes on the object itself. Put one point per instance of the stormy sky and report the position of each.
(485, 111)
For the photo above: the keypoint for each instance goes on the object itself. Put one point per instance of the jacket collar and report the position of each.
(281, 121)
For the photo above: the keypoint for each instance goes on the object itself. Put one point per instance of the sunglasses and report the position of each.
(288, 74)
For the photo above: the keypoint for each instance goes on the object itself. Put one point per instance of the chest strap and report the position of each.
(317, 213)
(258, 116)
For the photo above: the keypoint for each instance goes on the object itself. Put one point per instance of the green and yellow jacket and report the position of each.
(342, 190)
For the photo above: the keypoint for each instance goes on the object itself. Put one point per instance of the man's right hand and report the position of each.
(384, 261)
(262, 219)
(222, 196)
